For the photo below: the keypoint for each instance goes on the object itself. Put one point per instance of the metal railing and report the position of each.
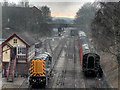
(8, 69)
(13, 70)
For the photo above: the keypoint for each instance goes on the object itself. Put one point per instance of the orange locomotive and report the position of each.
(40, 70)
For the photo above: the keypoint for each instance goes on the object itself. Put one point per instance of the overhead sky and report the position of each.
(59, 8)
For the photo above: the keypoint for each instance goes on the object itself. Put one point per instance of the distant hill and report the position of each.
(68, 20)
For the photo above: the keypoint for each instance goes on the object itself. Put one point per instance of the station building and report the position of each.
(15, 56)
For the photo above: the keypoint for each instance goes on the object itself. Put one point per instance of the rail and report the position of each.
(14, 67)
(8, 69)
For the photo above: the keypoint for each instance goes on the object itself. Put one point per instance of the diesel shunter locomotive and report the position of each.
(40, 70)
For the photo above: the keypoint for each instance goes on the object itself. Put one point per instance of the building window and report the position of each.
(22, 56)
(21, 50)
(15, 40)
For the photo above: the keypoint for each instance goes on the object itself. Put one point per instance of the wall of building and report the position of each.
(4, 67)
(22, 69)
(6, 53)
(31, 52)
(19, 42)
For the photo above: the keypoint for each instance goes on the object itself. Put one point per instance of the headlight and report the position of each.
(34, 80)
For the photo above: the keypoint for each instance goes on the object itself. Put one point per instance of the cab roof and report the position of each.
(41, 57)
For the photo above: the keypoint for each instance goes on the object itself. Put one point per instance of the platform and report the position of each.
(16, 84)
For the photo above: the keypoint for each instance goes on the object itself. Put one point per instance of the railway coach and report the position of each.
(40, 70)
(90, 61)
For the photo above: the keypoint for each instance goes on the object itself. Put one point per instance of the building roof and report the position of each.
(28, 38)
(9, 45)
(24, 38)
(2, 39)
(40, 56)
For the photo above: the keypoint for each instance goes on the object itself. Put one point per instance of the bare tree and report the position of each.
(5, 3)
(105, 28)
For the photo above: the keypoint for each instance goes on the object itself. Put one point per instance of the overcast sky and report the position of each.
(59, 8)
(62, 9)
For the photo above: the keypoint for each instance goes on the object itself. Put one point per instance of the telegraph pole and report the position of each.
(0, 20)
(0, 37)
(25, 3)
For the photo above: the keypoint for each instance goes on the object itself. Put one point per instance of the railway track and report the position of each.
(57, 52)
(61, 75)
(68, 74)
(74, 58)
(71, 75)
(24, 85)
(45, 46)
(62, 70)
(79, 80)
(50, 47)
(56, 55)
(96, 82)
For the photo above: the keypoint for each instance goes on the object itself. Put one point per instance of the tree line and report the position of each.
(85, 15)
(103, 22)
(105, 28)
(30, 19)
